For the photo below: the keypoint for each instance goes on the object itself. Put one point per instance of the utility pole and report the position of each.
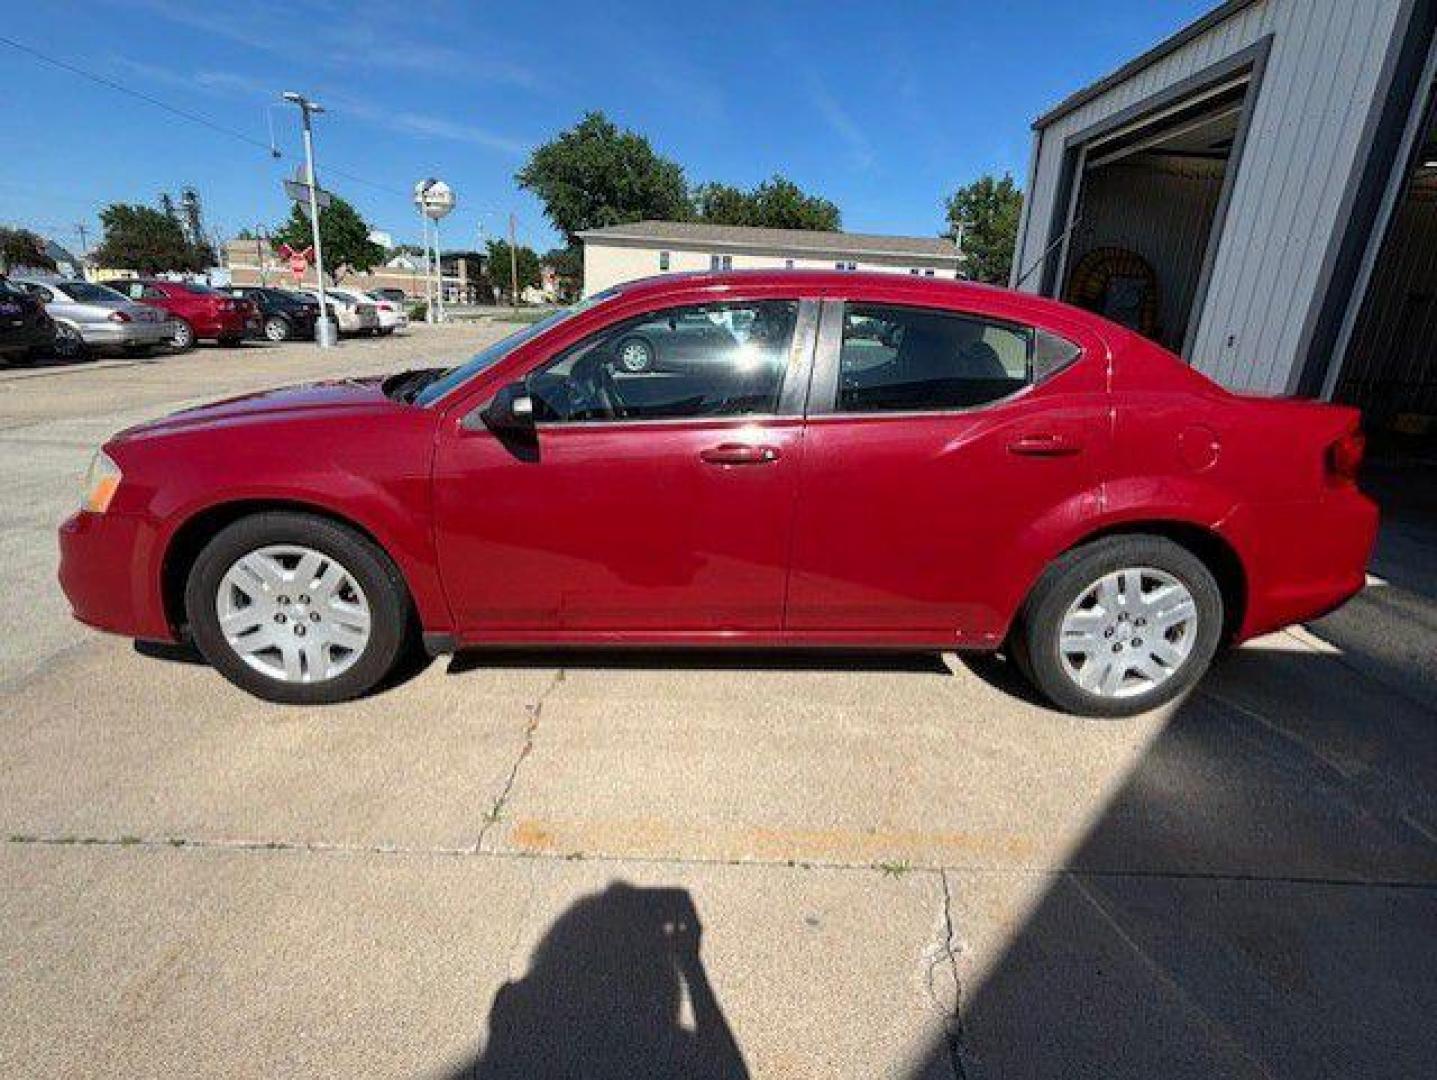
(513, 263)
(82, 229)
(325, 333)
(259, 252)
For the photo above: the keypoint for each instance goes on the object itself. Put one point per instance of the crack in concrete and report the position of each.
(536, 710)
(947, 959)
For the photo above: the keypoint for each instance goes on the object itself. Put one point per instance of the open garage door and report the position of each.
(1147, 199)
(1390, 367)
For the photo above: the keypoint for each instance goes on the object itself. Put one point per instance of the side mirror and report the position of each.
(511, 412)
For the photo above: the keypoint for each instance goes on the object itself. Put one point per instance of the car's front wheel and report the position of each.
(276, 328)
(183, 336)
(1120, 626)
(298, 609)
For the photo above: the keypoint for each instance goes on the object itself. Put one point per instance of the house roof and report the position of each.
(1166, 47)
(798, 241)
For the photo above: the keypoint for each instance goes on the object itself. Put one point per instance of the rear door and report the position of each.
(940, 445)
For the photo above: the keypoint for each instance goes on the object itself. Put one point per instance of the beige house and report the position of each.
(621, 253)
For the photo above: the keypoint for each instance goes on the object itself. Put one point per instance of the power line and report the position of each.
(185, 114)
(194, 118)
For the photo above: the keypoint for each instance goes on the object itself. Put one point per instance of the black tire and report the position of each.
(390, 610)
(69, 345)
(634, 355)
(183, 337)
(277, 328)
(1035, 641)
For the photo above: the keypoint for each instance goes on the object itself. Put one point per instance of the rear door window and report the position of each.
(901, 359)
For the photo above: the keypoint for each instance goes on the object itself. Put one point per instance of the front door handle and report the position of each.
(739, 454)
(1045, 445)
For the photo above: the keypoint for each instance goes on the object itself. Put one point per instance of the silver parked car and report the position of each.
(89, 316)
(354, 312)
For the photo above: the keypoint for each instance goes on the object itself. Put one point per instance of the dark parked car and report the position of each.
(196, 310)
(394, 296)
(881, 462)
(283, 315)
(25, 329)
(680, 342)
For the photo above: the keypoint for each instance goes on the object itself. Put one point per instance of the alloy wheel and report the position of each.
(1128, 632)
(293, 614)
(276, 329)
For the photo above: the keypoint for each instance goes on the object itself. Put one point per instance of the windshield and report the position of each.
(500, 349)
(87, 293)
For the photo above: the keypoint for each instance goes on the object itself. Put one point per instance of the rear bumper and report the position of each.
(133, 333)
(224, 326)
(1302, 559)
(105, 572)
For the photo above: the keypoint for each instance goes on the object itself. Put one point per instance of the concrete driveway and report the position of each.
(721, 865)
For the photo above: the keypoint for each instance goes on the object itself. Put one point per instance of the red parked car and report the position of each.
(196, 310)
(860, 461)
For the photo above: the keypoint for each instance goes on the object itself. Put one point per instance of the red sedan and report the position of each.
(859, 461)
(196, 310)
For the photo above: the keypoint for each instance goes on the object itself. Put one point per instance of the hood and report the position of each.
(305, 400)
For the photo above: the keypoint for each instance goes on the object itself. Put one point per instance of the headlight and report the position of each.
(102, 480)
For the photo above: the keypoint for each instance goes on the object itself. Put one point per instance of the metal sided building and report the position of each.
(1259, 193)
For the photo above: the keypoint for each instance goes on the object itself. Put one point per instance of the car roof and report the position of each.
(852, 284)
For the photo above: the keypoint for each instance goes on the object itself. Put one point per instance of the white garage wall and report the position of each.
(1319, 88)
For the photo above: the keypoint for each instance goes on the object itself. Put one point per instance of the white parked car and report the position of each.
(392, 315)
(353, 311)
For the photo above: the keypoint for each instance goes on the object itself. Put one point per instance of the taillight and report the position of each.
(118, 316)
(1344, 458)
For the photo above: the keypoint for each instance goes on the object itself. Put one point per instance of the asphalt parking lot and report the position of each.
(696, 864)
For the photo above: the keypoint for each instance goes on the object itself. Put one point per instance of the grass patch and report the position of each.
(894, 869)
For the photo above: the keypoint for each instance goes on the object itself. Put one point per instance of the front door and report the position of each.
(938, 445)
(656, 500)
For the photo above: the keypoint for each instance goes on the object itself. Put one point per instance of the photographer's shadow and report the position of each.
(604, 996)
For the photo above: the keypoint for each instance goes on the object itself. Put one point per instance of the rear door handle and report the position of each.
(739, 454)
(1045, 445)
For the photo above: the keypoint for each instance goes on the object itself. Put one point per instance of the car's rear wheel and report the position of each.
(297, 609)
(276, 328)
(1120, 626)
(635, 355)
(69, 345)
(183, 336)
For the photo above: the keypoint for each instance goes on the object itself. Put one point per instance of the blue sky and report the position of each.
(882, 107)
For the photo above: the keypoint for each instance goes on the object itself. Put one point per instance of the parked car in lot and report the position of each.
(89, 316)
(392, 315)
(25, 329)
(354, 312)
(283, 315)
(196, 311)
(394, 296)
(887, 463)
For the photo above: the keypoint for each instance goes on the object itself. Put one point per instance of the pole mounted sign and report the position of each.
(298, 190)
(298, 260)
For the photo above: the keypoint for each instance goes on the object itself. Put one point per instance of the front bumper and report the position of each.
(105, 573)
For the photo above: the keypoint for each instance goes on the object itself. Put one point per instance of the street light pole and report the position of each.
(324, 335)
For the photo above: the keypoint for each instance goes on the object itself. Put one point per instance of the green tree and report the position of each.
(986, 212)
(499, 265)
(21, 247)
(777, 203)
(146, 240)
(343, 233)
(595, 174)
